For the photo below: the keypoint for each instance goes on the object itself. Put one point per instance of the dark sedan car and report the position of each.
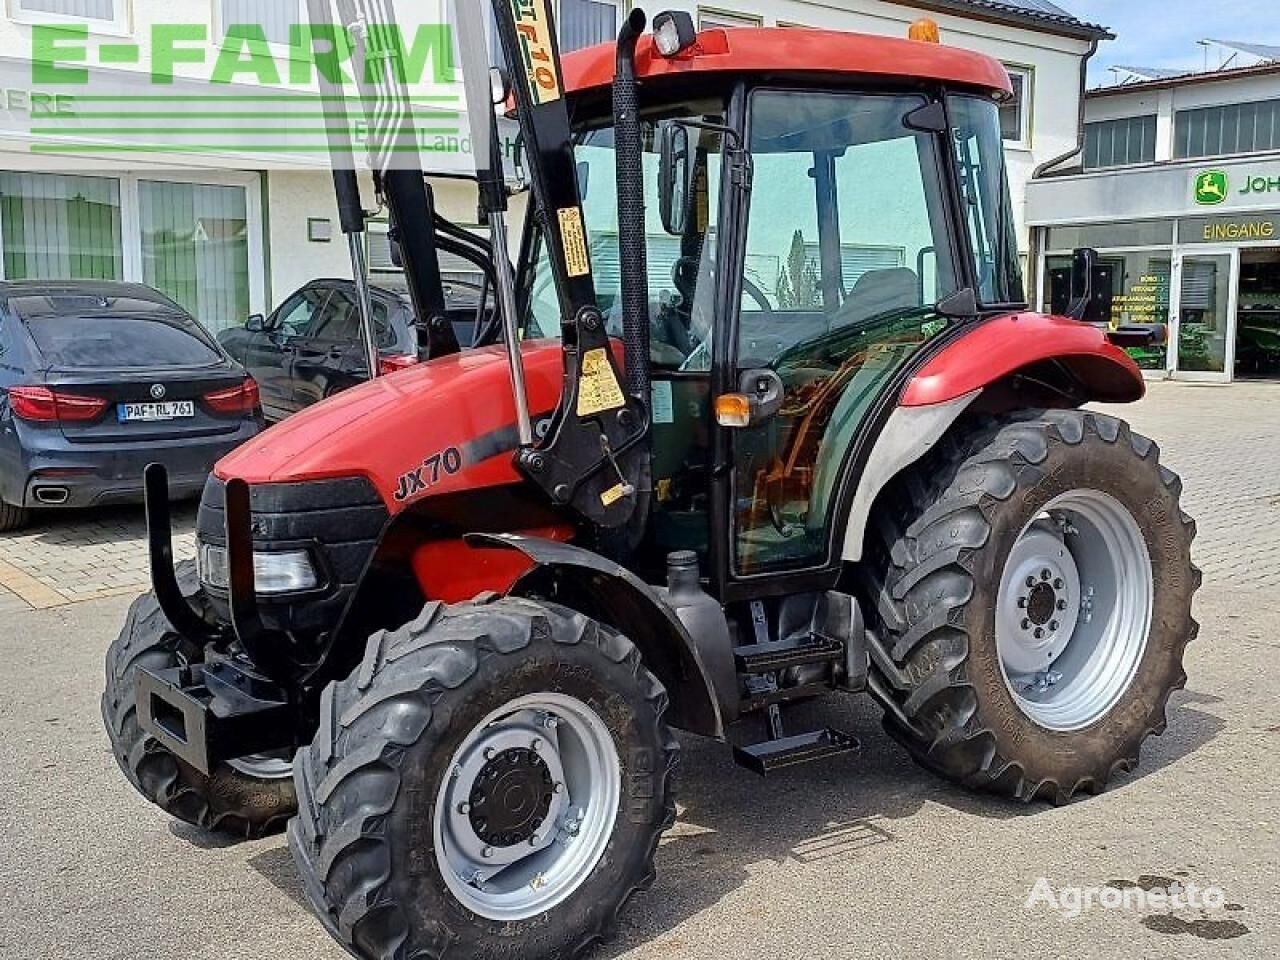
(99, 379)
(310, 348)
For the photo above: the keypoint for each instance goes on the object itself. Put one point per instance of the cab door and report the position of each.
(846, 256)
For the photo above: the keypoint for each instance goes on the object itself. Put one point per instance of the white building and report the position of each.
(1178, 188)
(230, 233)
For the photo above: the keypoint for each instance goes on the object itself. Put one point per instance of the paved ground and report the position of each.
(861, 858)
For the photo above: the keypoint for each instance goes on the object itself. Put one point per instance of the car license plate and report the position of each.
(153, 412)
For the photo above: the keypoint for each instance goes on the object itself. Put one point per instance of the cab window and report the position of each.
(680, 268)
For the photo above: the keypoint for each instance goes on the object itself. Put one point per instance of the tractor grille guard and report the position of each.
(265, 647)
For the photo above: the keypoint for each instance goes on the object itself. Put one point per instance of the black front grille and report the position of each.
(340, 521)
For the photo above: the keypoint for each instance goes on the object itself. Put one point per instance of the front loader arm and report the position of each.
(593, 457)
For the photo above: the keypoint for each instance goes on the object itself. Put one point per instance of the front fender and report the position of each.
(611, 594)
(1000, 347)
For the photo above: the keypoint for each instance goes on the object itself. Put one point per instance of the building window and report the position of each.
(584, 23)
(276, 17)
(1015, 114)
(100, 13)
(55, 227)
(1225, 130)
(709, 19)
(1115, 143)
(195, 248)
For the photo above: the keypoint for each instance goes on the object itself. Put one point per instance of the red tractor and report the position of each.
(761, 414)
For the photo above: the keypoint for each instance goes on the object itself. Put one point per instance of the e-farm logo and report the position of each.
(180, 90)
(1211, 188)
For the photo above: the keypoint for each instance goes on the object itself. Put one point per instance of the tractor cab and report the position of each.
(806, 237)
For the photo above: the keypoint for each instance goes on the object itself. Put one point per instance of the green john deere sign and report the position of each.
(1211, 188)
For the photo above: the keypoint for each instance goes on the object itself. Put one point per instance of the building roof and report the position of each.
(1180, 79)
(1143, 74)
(1034, 14)
(780, 50)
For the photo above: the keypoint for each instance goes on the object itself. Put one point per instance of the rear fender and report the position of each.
(1016, 361)
(611, 594)
(1000, 348)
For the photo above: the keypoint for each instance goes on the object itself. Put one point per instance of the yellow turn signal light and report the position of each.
(733, 410)
(925, 30)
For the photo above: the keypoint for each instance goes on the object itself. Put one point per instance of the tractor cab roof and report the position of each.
(792, 51)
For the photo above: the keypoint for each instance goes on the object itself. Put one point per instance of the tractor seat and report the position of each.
(875, 293)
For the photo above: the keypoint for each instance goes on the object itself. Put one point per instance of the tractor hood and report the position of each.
(445, 425)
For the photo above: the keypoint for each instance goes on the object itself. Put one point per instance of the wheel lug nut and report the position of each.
(1062, 604)
(1053, 625)
(487, 852)
(534, 840)
(1026, 624)
(1039, 633)
(1045, 574)
(1058, 584)
(489, 753)
(558, 788)
(536, 745)
(464, 807)
(1022, 601)
(1031, 581)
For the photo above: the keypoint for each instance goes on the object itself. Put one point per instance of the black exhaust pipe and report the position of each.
(631, 213)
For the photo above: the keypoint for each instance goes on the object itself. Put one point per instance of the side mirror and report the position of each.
(1090, 298)
(675, 178)
(256, 323)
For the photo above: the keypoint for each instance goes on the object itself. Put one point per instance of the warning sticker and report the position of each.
(613, 495)
(533, 27)
(576, 259)
(598, 390)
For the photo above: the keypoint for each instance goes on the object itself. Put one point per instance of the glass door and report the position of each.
(1204, 315)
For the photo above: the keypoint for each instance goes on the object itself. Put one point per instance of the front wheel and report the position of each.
(1036, 598)
(492, 774)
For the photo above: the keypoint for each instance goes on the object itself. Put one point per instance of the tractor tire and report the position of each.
(12, 518)
(403, 855)
(231, 801)
(996, 676)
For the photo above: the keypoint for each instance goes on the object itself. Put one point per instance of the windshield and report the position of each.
(984, 188)
(680, 268)
(111, 341)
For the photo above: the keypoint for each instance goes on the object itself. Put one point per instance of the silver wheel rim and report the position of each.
(263, 766)
(1073, 615)
(528, 807)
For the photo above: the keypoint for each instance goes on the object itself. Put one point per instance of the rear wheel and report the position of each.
(249, 798)
(492, 774)
(1036, 603)
(12, 518)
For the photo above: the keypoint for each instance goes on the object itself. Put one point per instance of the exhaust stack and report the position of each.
(631, 211)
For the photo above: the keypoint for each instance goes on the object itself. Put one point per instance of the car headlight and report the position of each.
(289, 571)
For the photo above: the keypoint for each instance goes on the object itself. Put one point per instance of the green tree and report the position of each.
(799, 285)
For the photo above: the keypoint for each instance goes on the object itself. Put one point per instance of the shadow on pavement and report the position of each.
(841, 810)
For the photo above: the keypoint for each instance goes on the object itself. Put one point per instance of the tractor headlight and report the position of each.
(288, 571)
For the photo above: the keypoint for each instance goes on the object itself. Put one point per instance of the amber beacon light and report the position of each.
(925, 30)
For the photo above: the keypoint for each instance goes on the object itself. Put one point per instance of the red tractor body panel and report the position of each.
(436, 428)
(790, 51)
(997, 348)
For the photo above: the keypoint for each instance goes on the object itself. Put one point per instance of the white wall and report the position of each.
(1164, 103)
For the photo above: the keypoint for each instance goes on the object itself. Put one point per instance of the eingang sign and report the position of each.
(1229, 229)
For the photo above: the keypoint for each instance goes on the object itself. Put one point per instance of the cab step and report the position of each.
(773, 656)
(773, 755)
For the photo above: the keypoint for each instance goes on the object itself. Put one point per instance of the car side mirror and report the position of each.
(675, 178)
(1091, 299)
(256, 323)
